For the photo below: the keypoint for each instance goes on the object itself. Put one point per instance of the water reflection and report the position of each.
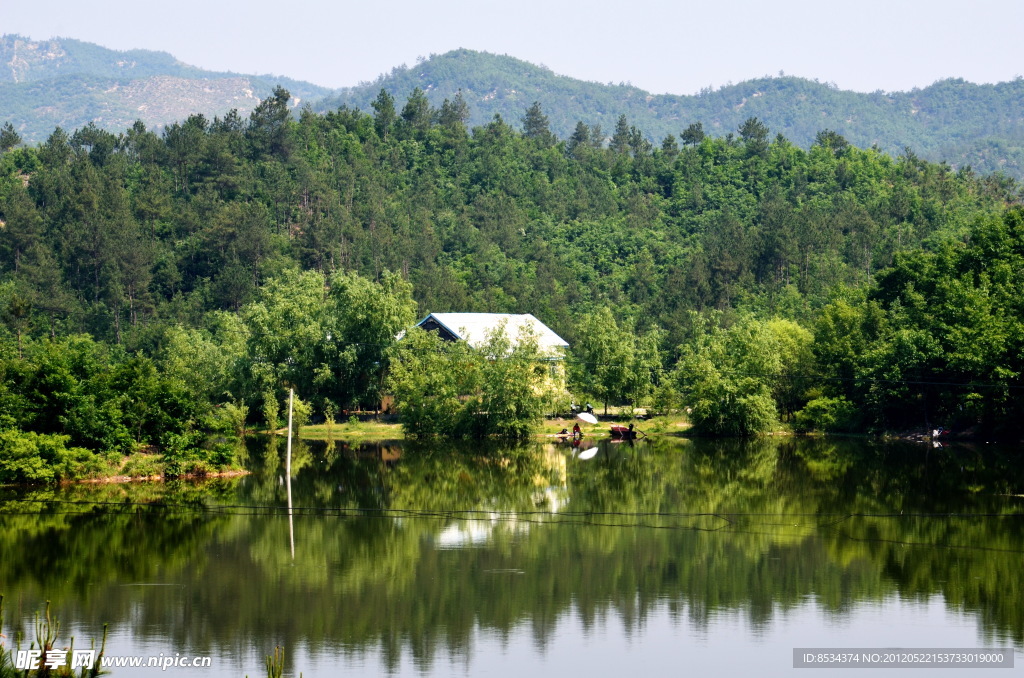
(416, 550)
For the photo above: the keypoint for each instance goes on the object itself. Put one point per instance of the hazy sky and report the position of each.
(676, 47)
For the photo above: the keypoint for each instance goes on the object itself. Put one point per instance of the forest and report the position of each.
(68, 83)
(159, 288)
(963, 123)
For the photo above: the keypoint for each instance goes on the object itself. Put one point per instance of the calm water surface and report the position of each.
(669, 557)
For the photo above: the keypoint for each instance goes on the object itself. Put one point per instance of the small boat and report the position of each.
(623, 432)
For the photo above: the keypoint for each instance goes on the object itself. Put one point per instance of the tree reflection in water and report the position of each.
(413, 547)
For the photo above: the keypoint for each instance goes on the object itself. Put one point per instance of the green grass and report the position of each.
(659, 425)
(379, 430)
(672, 424)
(364, 430)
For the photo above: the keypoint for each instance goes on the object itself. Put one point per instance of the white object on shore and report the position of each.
(587, 417)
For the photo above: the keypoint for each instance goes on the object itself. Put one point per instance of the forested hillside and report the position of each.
(27, 60)
(951, 120)
(70, 83)
(492, 219)
(743, 276)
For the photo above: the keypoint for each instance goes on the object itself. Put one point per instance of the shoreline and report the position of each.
(117, 479)
(548, 431)
(120, 479)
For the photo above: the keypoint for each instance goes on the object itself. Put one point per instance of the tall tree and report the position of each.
(602, 356)
(726, 376)
(620, 139)
(454, 113)
(267, 132)
(367, 317)
(9, 138)
(694, 134)
(536, 127)
(755, 134)
(580, 139)
(669, 146)
(22, 231)
(831, 140)
(417, 114)
(384, 115)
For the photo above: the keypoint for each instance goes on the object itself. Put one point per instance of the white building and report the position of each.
(474, 328)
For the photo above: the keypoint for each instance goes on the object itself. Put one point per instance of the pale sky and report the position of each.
(674, 47)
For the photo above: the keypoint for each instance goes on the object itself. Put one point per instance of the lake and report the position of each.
(663, 557)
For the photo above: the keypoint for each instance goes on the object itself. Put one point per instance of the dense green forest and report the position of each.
(158, 285)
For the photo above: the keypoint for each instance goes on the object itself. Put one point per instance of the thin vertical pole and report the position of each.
(288, 459)
(288, 474)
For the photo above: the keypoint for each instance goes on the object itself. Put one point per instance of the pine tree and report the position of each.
(693, 135)
(383, 114)
(620, 140)
(535, 126)
(454, 113)
(9, 138)
(417, 114)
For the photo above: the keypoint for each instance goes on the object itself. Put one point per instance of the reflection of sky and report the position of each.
(470, 533)
(737, 631)
(666, 643)
(479, 532)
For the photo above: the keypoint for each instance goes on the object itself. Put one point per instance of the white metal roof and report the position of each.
(473, 327)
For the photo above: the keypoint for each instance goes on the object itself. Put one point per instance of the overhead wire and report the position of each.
(732, 522)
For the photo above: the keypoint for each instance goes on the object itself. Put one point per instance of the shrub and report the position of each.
(498, 388)
(27, 457)
(142, 466)
(271, 410)
(827, 414)
(725, 376)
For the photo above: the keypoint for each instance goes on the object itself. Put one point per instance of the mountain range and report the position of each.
(70, 83)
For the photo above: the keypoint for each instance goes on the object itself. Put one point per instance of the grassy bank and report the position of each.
(28, 458)
(380, 430)
(352, 429)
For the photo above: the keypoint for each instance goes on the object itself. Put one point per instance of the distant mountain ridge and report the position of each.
(69, 83)
(952, 120)
(26, 60)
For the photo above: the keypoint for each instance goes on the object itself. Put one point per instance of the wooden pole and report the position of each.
(288, 459)
(288, 474)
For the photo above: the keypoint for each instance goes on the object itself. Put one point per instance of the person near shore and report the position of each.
(576, 432)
